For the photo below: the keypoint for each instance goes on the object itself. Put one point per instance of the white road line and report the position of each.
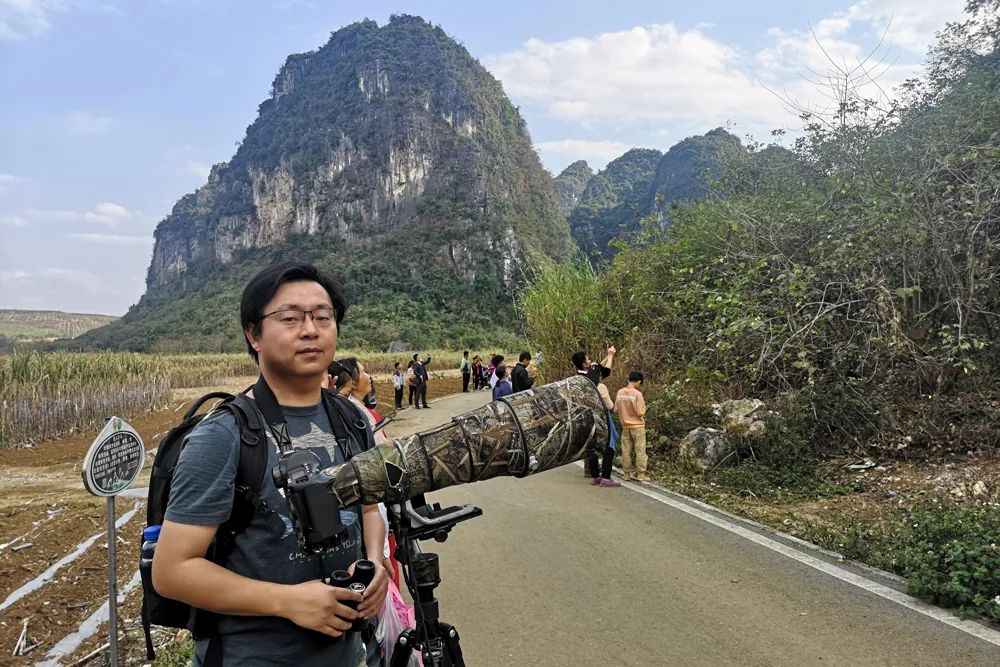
(44, 577)
(928, 610)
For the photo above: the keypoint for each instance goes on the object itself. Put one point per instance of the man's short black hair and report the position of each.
(395, 365)
(578, 358)
(465, 354)
(501, 372)
(635, 376)
(415, 356)
(525, 356)
(265, 284)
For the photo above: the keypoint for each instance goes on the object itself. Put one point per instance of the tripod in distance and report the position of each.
(437, 641)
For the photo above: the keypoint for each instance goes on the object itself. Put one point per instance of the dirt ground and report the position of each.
(45, 515)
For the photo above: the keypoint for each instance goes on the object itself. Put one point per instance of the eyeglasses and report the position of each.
(323, 316)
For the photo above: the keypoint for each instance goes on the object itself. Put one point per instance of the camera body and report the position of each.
(314, 507)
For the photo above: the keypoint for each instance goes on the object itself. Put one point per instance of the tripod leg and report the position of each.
(404, 648)
(450, 635)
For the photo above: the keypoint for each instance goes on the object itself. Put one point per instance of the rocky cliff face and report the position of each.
(391, 158)
(570, 184)
(644, 183)
(614, 200)
(381, 127)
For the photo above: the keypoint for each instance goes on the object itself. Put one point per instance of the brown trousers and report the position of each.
(634, 439)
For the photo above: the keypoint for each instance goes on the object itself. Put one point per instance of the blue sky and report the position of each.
(114, 109)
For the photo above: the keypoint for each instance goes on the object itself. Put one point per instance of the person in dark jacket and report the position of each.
(519, 378)
(478, 373)
(420, 373)
(466, 369)
(593, 371)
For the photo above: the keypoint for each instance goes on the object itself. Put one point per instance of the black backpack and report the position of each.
(158, 610)
(246, 501)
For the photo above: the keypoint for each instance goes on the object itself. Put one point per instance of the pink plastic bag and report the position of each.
(395, 617)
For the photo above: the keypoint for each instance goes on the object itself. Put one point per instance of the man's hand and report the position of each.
(318, 606)
(375, 593)
(612, 350)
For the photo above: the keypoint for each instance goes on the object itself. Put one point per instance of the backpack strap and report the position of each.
(246, 503)
(347, 422)
(249, 475)
(213, 395)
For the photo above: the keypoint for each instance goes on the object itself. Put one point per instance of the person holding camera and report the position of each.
(520, 380)
(272, 604)
(595, 372)
(421, 377)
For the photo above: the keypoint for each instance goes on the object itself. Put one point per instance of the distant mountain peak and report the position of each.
(393, 156)
(642, 182)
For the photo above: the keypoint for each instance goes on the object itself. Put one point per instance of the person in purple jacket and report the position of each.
(502, 387)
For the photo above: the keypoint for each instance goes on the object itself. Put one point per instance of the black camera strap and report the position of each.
(346, 421)
(265, 401)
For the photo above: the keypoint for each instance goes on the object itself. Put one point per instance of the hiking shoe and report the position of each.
(642, 477)
(610, 483)
(595, 480)
(627, 477)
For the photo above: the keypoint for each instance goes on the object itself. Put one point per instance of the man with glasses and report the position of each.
(272, 603)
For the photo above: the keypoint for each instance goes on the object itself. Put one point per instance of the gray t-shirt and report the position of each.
(202, 494)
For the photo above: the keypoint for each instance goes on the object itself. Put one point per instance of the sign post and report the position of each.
(112, 463)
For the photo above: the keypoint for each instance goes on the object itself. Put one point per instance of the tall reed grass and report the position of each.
(45, 395)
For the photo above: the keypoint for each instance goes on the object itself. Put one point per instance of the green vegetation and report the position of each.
(855, 278)
(44, 395)
(950, 556)
(32, 325)
(614, 200)
(570, 184)
(640, 188)
(852, 283)
(397, 296)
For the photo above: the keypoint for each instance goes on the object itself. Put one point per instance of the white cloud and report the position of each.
(113, 239)
(104, 213)
(21, 19)
(11, 277)
(12, 220)
(644, 74)
(596, 153)
(108, 213)
(87, 122)
(9, 182)
(661, 76)
(911, 24)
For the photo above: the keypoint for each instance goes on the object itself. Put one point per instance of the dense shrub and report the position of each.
(949, 556)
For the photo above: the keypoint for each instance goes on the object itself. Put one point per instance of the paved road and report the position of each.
(557, 572)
